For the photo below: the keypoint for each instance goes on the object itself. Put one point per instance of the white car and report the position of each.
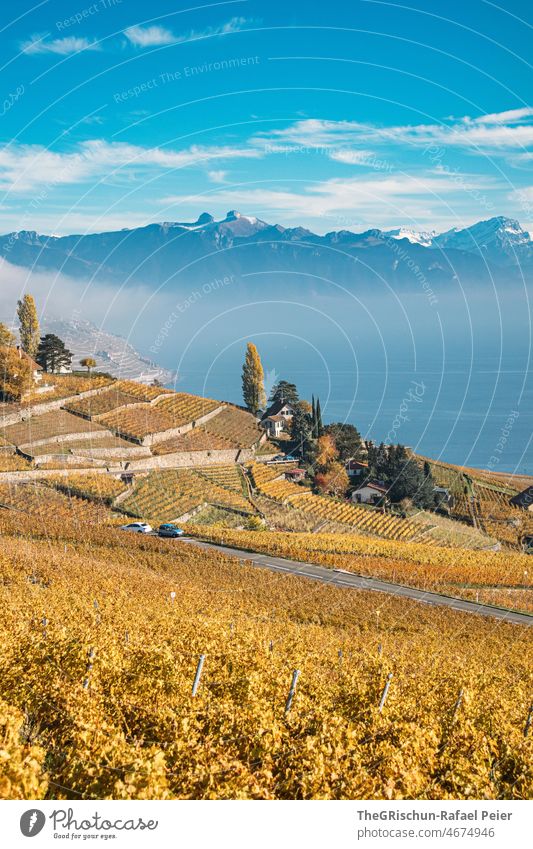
(137, 528)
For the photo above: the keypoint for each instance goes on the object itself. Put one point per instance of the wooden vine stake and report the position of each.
(457, 704)
(529, 720)
(198, 675)
(88, 669)
(292, 691)
(385, 692)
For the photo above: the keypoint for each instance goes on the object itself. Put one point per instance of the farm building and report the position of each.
(356, 468)
(278, 418)
(369, 493)
(295, 475)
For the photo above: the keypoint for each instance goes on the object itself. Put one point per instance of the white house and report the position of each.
(274, 425)
(369, 493)
(278, 417)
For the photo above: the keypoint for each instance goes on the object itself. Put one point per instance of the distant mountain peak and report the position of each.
(416, 237)
(205, 218)
(499, 239)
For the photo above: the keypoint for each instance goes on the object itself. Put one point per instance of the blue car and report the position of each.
(170, 530)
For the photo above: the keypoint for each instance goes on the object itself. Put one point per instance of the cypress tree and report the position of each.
(29, 325)
(253, 387)
(319, 425)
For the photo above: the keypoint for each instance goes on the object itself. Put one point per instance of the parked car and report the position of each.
(170, 530)
(290, 457)
(137, 528)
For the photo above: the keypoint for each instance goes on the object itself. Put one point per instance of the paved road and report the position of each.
(340, 578)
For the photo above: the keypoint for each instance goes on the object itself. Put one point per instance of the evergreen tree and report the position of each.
(52, 354)
(302, 434)
(253, 388)
(29, 325)
(347, 439)
(402, 474)
(7, 339)
(284, 392)
(319, 426)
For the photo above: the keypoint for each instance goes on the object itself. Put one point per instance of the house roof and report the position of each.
(354, 463)
(524, 498)
(274, 408)
(274, 419)
(373, 485)
(24, 356)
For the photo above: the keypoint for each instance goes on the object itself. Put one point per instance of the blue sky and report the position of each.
(328, 115)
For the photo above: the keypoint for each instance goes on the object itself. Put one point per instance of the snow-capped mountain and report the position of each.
(416, 238)
(500, 240)
(253, 253)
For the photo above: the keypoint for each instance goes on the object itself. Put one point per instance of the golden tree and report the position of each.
(89, 363)
(15, 374)
(326, 450)
(7, 339)
(253, 387)
(333, 481)
(29, 325)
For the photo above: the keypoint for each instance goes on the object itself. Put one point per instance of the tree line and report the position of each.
(324, 450)
(48, 351)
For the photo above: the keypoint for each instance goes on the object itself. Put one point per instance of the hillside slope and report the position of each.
(100, 642)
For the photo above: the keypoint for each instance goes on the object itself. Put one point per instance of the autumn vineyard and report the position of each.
(139, 667)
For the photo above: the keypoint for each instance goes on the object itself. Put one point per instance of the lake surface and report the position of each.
(454, 384)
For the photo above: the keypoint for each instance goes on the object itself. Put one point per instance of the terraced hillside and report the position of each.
(197, 439)
(46, 503)
(482, 499)
(367, 520)
(127, 415)
(49, 426)
(236, 426)
(99, 487)
(97, 660)
(104, 402)
(168, 495)
(57, 386)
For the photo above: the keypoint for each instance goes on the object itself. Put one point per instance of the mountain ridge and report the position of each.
(178, 253)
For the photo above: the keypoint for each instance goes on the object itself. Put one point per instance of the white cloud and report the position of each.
(493, 133)
(24, 168)
(149, 36)
(511, 116)
(217, 176)
(351, 157)
(370, 197)
(157, 35)
(59, 46)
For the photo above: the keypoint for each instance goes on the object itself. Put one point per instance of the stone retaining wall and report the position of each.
(164, 435)
(183, 459)
(46, 407)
